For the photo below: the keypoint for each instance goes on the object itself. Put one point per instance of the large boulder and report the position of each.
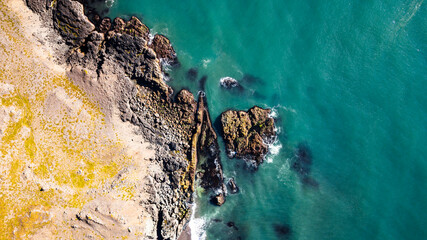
(135, 27)
(71, 22)
(163, 48)
(246, 134)
(228, 82)
(218, 200)
(233, 186)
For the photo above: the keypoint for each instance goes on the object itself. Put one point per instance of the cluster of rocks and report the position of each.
(247, 134)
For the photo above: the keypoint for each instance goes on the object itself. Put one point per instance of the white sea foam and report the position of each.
(273, 113)
(228, 82)
(274, 110)
(197, 226)
(166, 65)
(109, 3)
(150, 38)
(274, 150)
(206, 62)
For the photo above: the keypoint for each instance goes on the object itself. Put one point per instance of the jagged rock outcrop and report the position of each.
(162, 46)
(233, 186)
(71, 22)
(246, 134)
(211, 175)
(219, 199)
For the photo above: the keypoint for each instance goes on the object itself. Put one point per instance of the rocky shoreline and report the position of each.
(101, 51)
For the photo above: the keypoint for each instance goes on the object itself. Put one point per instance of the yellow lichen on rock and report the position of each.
(54, 147)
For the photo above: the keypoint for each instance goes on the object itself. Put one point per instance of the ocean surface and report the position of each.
(345, 79)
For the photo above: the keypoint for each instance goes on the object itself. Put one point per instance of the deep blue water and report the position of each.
(346, 78)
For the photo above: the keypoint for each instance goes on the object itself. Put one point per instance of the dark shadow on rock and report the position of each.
(218, 125)
(232, 225)
(258, 95)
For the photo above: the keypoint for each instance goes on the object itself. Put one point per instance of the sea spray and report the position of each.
(197, 225)
(109, 3)
(274, 150)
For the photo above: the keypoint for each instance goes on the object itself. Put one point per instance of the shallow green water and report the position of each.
(347, 78)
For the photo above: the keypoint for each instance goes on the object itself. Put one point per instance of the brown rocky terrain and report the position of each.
(247, 134)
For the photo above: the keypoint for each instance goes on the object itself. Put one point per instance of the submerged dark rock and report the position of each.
(311, 182)
(282, 230)
(250, 79)
(232, 225)
(202, 82)
(192, 74)
(246, 134)
(302, 165)
(303, 160)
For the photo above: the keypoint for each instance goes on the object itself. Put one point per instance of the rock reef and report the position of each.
(247, 134)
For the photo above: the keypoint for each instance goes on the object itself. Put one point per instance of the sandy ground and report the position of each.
(64, 152)
(186, 234)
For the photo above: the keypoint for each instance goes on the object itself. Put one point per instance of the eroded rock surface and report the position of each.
(164, 49)
(71, 22)
(247, 134)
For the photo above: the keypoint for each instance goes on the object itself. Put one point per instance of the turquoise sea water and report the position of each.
(346, 78)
